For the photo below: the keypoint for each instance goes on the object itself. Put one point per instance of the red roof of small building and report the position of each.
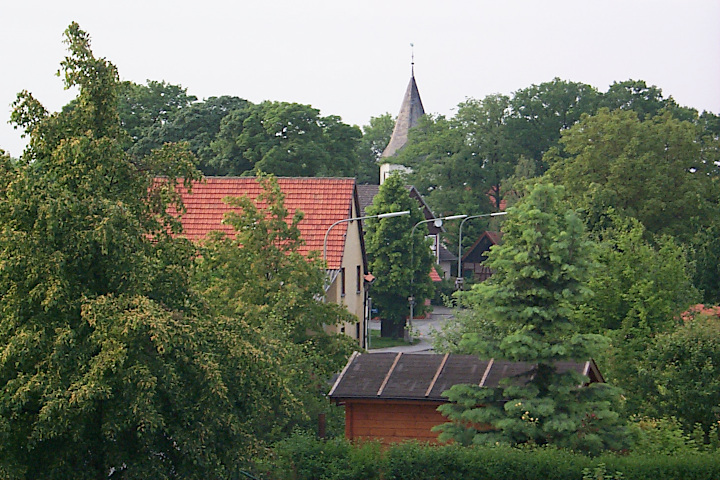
(434, 276)
(700, 309)
(323, 202)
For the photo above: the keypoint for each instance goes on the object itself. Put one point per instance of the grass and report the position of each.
(376, 341)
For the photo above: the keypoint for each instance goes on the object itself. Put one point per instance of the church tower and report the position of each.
(410, 112)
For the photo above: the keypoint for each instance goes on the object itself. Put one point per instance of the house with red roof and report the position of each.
(323, 201)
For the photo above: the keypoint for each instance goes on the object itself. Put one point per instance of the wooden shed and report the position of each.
(393, 397)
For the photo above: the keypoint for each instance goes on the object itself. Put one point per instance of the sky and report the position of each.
(352, 58)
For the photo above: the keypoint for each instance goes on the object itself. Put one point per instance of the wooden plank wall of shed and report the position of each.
(392, 421)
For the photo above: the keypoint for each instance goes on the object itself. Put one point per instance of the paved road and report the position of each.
(422, 328)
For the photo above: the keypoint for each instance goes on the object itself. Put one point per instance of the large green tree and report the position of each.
(141, 107)
(646, 101)
(641, 288)
(110, 365)
(653, 170)
(287, 139)
(198, 124)
(539, 113)
(532, 301)
(400, 261)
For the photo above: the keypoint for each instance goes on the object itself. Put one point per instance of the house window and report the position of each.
(342, 282)
(358, 279)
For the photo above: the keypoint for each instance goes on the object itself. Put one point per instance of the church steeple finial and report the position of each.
(412, 60)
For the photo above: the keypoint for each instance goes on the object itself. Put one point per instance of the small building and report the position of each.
(393, 397)
(473, 260)
(323, 201)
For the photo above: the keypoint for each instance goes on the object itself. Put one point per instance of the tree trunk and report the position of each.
(390, 328)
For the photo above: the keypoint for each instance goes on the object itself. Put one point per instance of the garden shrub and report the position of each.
(303, 457)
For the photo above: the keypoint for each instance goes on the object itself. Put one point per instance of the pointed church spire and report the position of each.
(410, 112)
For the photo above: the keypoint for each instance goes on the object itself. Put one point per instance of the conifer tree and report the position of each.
(540, 279)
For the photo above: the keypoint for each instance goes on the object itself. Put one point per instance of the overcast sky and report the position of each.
(352, 58)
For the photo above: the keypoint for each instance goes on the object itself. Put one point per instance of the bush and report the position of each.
(303, 457)
(663, 436)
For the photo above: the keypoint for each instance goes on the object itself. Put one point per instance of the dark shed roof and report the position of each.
(424, 377)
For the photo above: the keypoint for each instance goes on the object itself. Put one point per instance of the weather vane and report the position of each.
(412, 59)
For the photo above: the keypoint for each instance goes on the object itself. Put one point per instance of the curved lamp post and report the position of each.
(438, 223)
(381, 215)
(459, 272)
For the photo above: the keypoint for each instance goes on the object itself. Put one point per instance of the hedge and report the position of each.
(303, 457)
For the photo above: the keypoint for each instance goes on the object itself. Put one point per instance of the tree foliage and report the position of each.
(540, 113)
(198, 124)
(681, 374)
(639, 290)
(375, 137)
(112, 363)
(286, 139)
(141, 107)
(259, 278)
(642, 286)
(540, 279)
(400, 262)
(652, 170)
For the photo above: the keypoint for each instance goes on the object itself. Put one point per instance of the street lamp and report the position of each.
(381, 215)
(438, 223)
(459, 272)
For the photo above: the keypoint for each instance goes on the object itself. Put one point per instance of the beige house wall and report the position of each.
(353, 298)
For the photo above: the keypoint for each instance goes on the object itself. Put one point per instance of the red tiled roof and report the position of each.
(323, 202)
(700, 309)
(434, 276)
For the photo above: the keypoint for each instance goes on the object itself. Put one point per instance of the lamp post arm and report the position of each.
(380, 215)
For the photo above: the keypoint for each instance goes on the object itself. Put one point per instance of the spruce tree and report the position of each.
(540, 277)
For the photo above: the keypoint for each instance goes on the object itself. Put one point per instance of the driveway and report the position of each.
(422, 329)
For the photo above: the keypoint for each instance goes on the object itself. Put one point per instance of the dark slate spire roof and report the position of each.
(410, 112)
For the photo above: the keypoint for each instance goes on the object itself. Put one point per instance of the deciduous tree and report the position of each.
(399, 261)
(111, 366)
(681, 375)
(652, 170)
(288, 139)
(142, 107)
